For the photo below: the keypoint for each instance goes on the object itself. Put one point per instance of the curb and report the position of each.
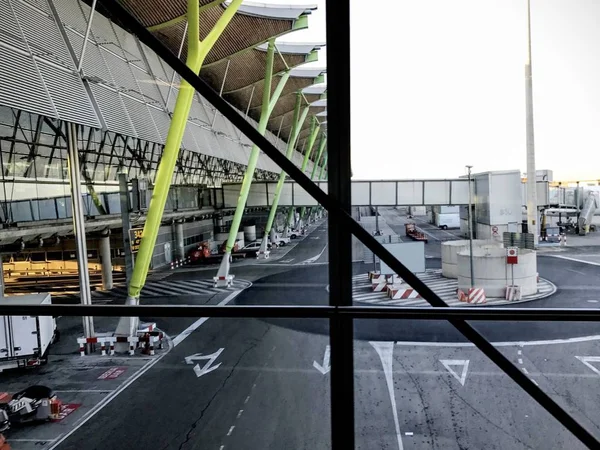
(483, 305)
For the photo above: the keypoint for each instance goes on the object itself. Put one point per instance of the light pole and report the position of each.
(470, 219)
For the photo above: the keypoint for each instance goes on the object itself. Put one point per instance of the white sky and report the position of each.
(437, 84)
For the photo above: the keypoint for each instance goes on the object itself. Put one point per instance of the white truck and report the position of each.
(24, 340)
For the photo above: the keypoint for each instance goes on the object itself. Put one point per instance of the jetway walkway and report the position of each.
(364, 193)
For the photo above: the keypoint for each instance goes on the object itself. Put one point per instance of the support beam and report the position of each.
(323, 167)
(322, 145)
(79, 227)
(106, 261)
(87, 34)
(197, 52)
(532, 209)
(179, 242)
(314, 131)
(297, 123)
(223, 277)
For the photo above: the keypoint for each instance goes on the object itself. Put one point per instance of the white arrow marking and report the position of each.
(207, 367)
(325, 368)
(588, 359)
(457, 362)
(385, 351)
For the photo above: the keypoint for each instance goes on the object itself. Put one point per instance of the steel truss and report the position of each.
(35, 144)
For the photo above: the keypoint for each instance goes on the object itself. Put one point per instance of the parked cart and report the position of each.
(415, 233)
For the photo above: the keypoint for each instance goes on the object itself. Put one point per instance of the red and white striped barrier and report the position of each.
(104, 341)
(373, 274)
(513, 293)
(147, 333)
(399, 293)
(476, 295)
(379, 286)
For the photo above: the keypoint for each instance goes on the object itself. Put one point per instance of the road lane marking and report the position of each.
(246, 401)
(525, 371)
(576, 271)
(521, 361)
(587, 360)
(325, 368)
(385, 351)
(85, 391)
(239, 413)
(590, 338)
(189, 330)
(230, 430)
(574, 259)
(457, 362)
(314, 258)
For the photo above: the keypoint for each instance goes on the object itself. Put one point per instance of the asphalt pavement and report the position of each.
(265, 384)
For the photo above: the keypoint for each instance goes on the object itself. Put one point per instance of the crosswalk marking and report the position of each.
(445, 288)
(166, 289)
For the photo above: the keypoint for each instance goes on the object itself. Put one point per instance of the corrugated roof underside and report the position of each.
(243, 32)
(129, 84)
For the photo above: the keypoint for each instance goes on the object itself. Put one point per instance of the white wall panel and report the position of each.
(285, 199)
(437, 193)
(360, 193)
(459, 192)
(383, 193)
(257, 195)
(410, 193)
(301, 197)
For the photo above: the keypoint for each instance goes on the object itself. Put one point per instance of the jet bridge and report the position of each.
(364, 193)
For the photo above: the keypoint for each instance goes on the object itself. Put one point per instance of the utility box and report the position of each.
(24, 340)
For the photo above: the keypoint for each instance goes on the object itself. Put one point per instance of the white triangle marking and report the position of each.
(457, 362)
(587, 359)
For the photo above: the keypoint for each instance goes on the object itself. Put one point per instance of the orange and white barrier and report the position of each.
(513, 293)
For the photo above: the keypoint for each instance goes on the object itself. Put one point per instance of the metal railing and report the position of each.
(340, 312)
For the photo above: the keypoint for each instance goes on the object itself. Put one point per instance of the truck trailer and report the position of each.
(25, 340)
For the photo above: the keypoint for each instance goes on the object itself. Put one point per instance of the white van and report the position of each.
(445, 221)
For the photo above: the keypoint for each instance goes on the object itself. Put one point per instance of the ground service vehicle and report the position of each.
(445, 221)
(24, 340)
(30, 405)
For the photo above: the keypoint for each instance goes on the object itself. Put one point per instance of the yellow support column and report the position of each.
(197, 52)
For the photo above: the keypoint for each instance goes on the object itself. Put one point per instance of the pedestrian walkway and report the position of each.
(176, 288)
(445, 288)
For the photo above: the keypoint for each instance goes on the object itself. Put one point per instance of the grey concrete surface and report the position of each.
(418, 384)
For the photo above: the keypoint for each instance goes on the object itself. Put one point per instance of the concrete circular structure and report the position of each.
(451, 249)
(493, 274)
(250, 233)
